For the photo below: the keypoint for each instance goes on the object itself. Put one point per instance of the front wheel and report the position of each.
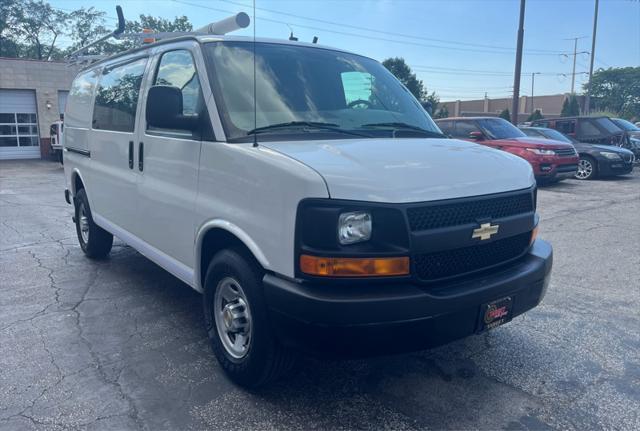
(94, 241)
(237, 323)
(587, 169)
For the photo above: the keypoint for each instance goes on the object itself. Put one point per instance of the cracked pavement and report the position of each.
(120, 343)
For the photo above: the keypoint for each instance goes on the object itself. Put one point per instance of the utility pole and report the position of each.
(533, 79)
(516, 78)
(593, 55)
(575, 54)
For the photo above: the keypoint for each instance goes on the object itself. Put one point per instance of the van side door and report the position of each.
(113, 182)
(169, 162)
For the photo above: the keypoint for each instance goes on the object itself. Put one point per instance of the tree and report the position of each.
(570, 107)
(535, 115)
(33, 27)
(617, 90)
(505, 114)
(403, 72)
(442, 112)
(86, 25)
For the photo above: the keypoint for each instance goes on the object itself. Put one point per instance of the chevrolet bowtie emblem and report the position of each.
(485, 231)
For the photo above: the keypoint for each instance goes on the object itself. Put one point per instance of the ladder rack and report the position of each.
(227, 25)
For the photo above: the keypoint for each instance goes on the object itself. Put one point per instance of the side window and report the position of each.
(176, 69)
(117, 97)
(463, 128)
(78, 109)
(566, 126)
(587, 128)
(446, 127)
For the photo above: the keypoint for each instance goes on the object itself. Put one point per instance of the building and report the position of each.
(550, 106)
(32, 96)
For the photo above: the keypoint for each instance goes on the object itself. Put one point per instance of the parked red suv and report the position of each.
(551, 160)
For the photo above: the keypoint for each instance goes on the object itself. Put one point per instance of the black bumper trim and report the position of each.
(360, 317)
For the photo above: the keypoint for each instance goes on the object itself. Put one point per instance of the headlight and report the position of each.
(610, 156)
(354, 227)
(541, 152)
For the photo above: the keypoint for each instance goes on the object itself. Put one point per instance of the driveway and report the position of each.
(120, 344)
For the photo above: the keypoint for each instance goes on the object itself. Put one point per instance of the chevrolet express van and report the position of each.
(317, 208)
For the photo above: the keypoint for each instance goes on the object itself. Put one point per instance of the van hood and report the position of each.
(408, 170)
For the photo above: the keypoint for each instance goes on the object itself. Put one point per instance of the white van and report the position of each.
(317, 208)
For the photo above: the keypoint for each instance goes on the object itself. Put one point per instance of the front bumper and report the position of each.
(552, 171)
(362, 320)
(614, 167)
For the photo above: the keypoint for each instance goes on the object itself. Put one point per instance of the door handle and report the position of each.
(141, 156)
(130, 154)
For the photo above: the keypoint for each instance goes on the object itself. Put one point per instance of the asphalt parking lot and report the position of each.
(120, 344)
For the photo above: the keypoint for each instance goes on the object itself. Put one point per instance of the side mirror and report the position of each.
(476, 136)
(164, 109)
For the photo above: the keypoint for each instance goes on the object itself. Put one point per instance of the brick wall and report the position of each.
(46, 78)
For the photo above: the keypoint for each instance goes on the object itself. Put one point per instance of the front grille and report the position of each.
(565, 152)
(458, 213)
(449, 263)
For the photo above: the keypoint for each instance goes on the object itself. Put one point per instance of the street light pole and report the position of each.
(516, 78)
(593, 55)
(533, 79)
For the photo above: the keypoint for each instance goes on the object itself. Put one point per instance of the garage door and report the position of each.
(18, 125)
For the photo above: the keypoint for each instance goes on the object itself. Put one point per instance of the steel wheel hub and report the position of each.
(84, 224)
(233, 317)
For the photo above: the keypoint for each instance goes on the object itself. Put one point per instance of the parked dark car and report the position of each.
(634, 135)
(593, 130)
(595, 160)
(551, 160)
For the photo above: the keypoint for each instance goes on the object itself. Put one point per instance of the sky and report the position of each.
(461, 49)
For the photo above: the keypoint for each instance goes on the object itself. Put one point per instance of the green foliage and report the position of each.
(403, 72)
(442, 112)
(570, 107)
(33, 29)
(535, 115)
(505, 114)
(617, 90)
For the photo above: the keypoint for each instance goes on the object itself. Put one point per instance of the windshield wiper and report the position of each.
(304, 124)
(395, 126)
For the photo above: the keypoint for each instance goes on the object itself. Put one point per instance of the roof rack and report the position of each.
(227, 25)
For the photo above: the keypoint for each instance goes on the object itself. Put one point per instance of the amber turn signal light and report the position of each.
(534, 235)
(354, 267)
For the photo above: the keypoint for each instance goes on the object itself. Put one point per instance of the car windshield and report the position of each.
(626, 125)
(608, 125)
(555, 135)
(499, 128)
(304, 91)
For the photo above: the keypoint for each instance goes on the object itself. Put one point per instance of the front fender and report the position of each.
(232, 229)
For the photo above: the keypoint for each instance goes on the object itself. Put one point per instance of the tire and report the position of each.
(587, 168)
(95, 242)
(237, 321)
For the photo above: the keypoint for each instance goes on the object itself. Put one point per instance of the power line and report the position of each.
(369, 29)
(344, 33)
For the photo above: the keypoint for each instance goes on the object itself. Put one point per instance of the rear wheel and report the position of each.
(237, 322)
(94, 241)
(587, 168)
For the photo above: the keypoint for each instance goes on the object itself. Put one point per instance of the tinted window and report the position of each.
(117, 97)
(463, 128)
(446, 127)
(531, 132)
(499, 128)
(625, 125)
(78, 111)
(554, 134)
(587, 128)
(608, 125)
(176, 69)
(566, 126)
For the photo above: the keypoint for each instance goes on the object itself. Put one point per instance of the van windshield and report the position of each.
(303, 91)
